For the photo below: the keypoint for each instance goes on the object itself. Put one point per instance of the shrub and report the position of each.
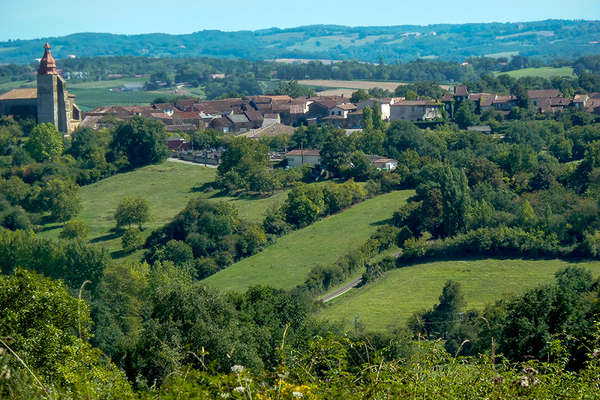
(132, 239)
(75, 229)
(132, 210)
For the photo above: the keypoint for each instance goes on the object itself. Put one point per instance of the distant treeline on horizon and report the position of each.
(543, 40)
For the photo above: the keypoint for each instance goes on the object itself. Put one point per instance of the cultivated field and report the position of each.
(366, 85)
(168, 187)
(542, 72)
(390, 301)
(287, 262)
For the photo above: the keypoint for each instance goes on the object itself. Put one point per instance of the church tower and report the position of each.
(54, 104)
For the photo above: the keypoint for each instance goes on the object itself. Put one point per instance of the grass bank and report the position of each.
(287, 262)
(390, 301)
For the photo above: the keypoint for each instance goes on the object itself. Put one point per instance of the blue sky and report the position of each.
(29, 19)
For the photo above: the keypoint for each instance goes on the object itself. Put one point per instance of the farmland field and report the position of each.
(542, 72)
(167, 187)
(366, 85)
(390, 301)
(287, 262)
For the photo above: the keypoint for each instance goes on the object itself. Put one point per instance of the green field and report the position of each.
(287, 262)
(168, 187)
(542, 72)
(88, 99)
(390, 301)
(93, 94)
(7, 86)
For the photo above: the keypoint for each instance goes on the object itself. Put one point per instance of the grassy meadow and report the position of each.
(287, 262)
(168, 187)
(390, 301)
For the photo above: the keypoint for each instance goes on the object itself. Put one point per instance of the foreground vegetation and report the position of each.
(389, 302)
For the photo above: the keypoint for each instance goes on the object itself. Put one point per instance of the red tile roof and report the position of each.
(546, 93)
(415, 103)
(460, 90)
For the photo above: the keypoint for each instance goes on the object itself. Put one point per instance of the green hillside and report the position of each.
(168, 187)
(390, 301)
(542, 39)
(287, 262)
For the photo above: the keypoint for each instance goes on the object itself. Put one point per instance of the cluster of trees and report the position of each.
(553, 320)
(245, 167)
(205, 237)
(584, 82)
(307, 203)
(41, 172)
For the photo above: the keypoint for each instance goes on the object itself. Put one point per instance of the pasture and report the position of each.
(287, 262)
(390, 301)
(168, 187)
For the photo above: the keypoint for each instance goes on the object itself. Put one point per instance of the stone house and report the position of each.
(415, 110)
(297, 158)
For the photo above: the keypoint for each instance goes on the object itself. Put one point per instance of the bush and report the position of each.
(132, 239)
(132, 210)
(75, 229)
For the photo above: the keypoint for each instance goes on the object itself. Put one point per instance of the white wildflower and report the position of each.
(524, 382)
(224, 395)
(297, 395)
(238, 389)
(237, 369)
(596, 353)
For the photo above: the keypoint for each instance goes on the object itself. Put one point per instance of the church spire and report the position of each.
(47, 63)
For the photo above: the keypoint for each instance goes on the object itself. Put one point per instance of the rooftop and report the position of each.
(305, 152)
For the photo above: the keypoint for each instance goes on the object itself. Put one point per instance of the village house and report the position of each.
(297, 158)
(415, 110)
(382, 163)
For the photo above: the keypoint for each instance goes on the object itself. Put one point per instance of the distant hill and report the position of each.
(543, 39)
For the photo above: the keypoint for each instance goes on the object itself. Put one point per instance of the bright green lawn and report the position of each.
(287, 262)
(168, 187)
(390, 301)
(543, 72)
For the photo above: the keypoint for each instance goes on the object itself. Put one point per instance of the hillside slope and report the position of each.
(546, 39)
(390, 301)
(287, 262)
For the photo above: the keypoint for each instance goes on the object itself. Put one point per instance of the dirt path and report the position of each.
(342, 290)
(177, 160)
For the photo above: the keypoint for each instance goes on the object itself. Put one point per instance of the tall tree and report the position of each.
(336, 152)
(132, 210)
(143, 141)
(465, 114)
(45, 142)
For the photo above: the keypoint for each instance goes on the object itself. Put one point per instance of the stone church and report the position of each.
(50, 102)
